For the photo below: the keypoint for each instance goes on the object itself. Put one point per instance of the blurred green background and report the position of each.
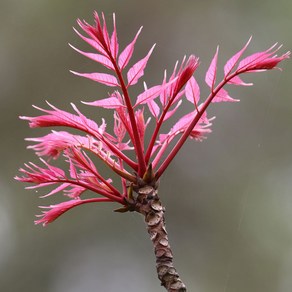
(228, 199)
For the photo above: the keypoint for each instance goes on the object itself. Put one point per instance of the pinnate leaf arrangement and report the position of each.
(139, 173)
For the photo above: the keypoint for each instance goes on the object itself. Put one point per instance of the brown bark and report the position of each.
(149, 205)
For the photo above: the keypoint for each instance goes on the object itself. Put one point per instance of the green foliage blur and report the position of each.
(228, 199)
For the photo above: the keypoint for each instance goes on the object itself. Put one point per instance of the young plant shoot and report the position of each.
(137, 162)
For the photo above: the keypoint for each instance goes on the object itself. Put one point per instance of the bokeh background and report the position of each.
(228, 199)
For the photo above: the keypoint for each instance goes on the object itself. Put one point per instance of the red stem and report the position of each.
(157, 128)
(100, 191)
(136, 139)
(116, 151)
(118, 170)
(85, 165)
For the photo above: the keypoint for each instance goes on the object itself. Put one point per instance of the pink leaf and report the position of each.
(127, 53)
(154, 108)
(57, 117)
(56, 211)
(236, 80)
(164, 93)
(103, 78)
(230, 64)
(252, 59)
(192, 91)
(211, 72)
(257, 58)
(74, 192)
(91, 42)
(185, 73)
(262, 61)
(119, 128)
(171, 112)
(114, 45)
(183, 122)
(110, 103)
(199, 130)
(222, 95)
(96, 57)
(137, 70)
(149, 94)
(53, 144)
(104, 35)
(153, 92)
(56, 190)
